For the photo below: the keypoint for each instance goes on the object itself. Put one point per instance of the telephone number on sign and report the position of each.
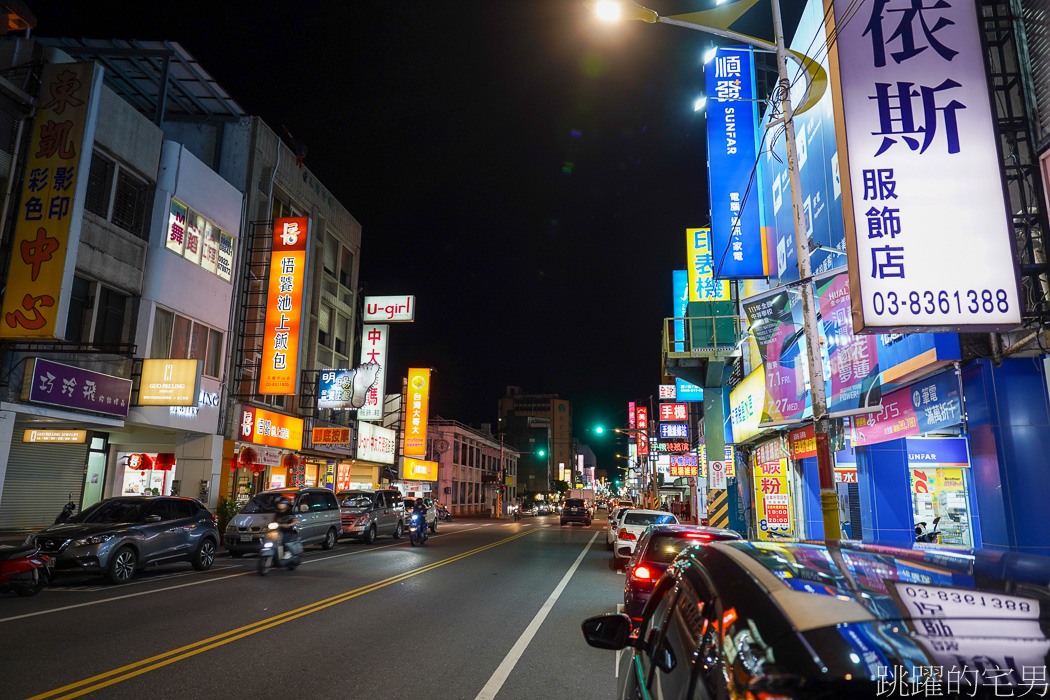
(941, 302)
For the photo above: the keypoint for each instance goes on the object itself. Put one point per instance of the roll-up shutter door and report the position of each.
(39, 479)
(856, 528)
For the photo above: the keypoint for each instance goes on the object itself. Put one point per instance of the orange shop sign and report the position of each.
(418, 469)
(418, 410)
(264, 427)
(47, 219)
(330, 436)
(279, 373)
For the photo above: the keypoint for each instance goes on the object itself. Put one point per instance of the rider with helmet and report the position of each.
(420, 508)
(285, 519)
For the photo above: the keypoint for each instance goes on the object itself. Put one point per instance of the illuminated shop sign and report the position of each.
(373, 351)
(269, 428)
(169, 382)
(279, 373)
(390, 309)
(200, 241)
(418, 409)
(418, 469)
(75, 436)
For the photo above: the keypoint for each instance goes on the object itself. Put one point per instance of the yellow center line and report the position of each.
(118, 675)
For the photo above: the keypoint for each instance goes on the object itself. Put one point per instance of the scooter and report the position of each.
(67, 511)
(275, 555)
(924, 534)
(444, 515)
(417, 529)
(517, 514)
(23, 570)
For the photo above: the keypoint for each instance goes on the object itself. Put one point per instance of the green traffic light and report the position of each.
(599, 430)
(540, 452)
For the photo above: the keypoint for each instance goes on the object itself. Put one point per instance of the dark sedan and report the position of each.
(118, 536)
(657, 549)
(836, 620)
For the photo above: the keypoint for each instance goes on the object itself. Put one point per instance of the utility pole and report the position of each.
(828, 497)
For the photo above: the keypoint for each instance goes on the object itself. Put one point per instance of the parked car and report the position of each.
(316, 512)
(432, 517)
(366, 514)
(576, 511)
(632, 525)
(529, 508)
(613, 526)
(655, 551)
(839, 620)
(118, 536)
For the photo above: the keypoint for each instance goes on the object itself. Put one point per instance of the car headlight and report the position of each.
(94, 539)
(231, 528)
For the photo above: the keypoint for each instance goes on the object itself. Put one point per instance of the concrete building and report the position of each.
(470, 462)
(537, 423)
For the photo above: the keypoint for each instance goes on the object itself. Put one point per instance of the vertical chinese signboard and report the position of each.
(373, 350)
(280, 364)
(772, 497)
(418, 408)
(642, 421)
(48, 218)
(926, 227)
(702, 283)
(736, 232)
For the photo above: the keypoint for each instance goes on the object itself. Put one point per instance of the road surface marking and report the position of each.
(118, 675)
(499, 677)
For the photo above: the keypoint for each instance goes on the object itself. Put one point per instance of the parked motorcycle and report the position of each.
(417, 529)
(927, 534)
(23, 570)
(273, 555)
(67, 511)
(444, 515)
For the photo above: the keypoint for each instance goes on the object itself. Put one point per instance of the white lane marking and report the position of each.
(91, 588)
(120, 597)
(511, 659)
(184, 585)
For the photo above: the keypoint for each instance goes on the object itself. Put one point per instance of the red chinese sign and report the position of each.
(33, 305)
(641, 419)
(803, 442)
(674, 411)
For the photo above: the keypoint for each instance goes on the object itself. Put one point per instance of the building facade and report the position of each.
(540, 425)
(477, 473)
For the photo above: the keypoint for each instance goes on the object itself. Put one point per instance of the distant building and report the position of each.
(534, 423)
(470, 462)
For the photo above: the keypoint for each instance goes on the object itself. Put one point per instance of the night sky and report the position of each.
(525, 170)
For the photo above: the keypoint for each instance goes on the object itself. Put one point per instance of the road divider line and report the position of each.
(123, 673)
(502, 672)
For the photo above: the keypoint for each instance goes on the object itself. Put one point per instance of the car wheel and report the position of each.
(330, 539)
(236, 554)
(562, 522)
(398, 530)
(121, 565)
(204, 556)
(434, 525)
(370, 535)
(586, 523)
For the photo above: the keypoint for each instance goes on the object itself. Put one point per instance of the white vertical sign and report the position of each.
(717, 471)
(926, 226)
(373, 349)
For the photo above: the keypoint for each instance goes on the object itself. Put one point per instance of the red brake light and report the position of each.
(641, 572)
(215, 519)
(624, 535)
(698, 535)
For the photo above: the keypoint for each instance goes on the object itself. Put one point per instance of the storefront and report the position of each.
(266, 454)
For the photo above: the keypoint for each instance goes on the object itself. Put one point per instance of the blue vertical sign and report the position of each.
(732, 116)
(680, 291)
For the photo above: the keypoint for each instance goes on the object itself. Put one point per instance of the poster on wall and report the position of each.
(851, 362)
(777, 326)
(924, 407)
(773, 498)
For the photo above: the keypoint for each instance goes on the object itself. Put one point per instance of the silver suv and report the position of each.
(367, 514)
(316, 512)
(118, 536)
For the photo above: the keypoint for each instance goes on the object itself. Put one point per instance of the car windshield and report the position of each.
(574, 503)
(117, 510)
(649, 519)
(264, 503)
(352, 499)
(662, 549)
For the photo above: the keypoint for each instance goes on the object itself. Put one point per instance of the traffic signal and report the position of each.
(599, 429)
(541, 453)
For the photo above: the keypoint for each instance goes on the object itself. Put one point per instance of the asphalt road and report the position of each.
(487, 609)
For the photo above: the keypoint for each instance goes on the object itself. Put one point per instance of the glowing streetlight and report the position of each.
(700, 103)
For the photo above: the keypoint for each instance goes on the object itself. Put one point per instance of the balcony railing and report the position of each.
(701, 336)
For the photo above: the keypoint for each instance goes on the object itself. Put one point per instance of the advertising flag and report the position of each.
(732, 118)
(777, 324)
(851, 366)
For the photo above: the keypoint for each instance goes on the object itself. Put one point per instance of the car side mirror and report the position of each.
(609, 631)
(152, 519)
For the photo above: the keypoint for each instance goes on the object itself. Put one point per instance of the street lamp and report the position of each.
(717, 21)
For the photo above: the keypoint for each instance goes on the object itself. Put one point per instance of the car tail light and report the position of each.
(698, 535)
(624, 535)
(642, 573)
(215, 519)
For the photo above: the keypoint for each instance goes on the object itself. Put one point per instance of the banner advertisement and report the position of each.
(684, 391)
(264, 427)
(928, 238)
(803, 442)
(702, 283)
(732, 118)
(47, 221)
(773, 498)
(418, 411)
(680, 293)
(851, 362)
(79, 389)
(777, 325)
(346, 389)
(373, 351)
(745, 405)
(169, 383)
(926, 406)
(375, 444)
(279, 373)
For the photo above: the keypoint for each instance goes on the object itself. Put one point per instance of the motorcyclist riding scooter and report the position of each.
(283, 550)
(417, 529)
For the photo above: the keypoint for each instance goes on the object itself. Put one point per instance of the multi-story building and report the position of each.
(473, 467)
(538, 423)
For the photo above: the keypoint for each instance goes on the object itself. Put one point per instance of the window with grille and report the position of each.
(100, 177)
(118, 196)
(341, 323)
(346, 269)
(179, 338)
(324, 326)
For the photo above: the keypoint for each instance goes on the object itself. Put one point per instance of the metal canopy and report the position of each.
(161, 79)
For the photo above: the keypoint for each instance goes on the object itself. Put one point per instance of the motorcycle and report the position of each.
(417, 529)
(517, 514)
(67, 511)
(23, 570)
(930, 534)
(272, 556)
(444, 515)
